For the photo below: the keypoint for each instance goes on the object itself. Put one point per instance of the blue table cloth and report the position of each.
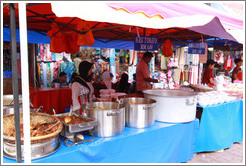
(220, 126)
(161, 143)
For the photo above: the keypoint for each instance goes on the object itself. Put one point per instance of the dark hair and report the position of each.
(73, 76)
(210, 62)
(122, 86)
(62, 74)
(238, 60)
(84, 67)
(147, 54)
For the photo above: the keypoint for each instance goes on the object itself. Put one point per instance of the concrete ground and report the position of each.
(232, 155)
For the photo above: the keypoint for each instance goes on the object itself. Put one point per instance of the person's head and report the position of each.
(210, 63)
(106, 79)
(73, 76)
(106, 76)
(111, 76)
(147, 56)
(85, 69)
(123, 82)
(134, 77)
(124, 78)
(78, 55)
(63, 77)
(238, 62)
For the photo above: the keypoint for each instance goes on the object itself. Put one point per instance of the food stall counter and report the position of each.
(161, 143)
(220, 126)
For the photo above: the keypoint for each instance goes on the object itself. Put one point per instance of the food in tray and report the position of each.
(99, 108)
(67, 119)
(135, 102)
(74, 119)
(37, 127)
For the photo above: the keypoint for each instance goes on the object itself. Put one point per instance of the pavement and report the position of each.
(235, 154)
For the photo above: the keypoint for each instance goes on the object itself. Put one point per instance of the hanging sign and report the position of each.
(203, 57)
(196, 48)
(145, 43)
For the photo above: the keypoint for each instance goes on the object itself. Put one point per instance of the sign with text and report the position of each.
(196, 48)
(146, 43)
(203, 57)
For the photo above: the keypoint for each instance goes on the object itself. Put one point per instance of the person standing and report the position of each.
(237, 71)
(82, 89)
(143, 74)
(77, 61)
(208, 77)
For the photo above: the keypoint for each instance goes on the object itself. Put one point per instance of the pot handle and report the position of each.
(115, 113)
(189, 102)
(84, 125)
(147, 107)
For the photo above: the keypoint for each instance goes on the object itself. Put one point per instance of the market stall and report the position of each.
(164, 135)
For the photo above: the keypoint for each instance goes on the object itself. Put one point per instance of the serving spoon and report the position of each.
(68, 118)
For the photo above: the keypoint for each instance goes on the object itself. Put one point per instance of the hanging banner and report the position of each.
(145, 43)
(203, 57)
(196, 48)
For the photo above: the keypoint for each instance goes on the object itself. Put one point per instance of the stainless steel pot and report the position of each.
(175, 106)
(140, 112)
(38, 150)
(110, 117)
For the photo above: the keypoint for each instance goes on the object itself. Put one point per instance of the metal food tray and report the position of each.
(74, 128)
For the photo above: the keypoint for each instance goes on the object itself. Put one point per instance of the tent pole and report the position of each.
(25, 82)
(15, 82)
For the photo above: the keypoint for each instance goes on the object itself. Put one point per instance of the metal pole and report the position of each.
(15, 82)
(25, 82)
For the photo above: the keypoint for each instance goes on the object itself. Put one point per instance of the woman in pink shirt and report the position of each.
(142, 73)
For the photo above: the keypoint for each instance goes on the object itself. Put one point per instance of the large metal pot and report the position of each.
(38, 150)
(175, 106)
(140, 112)
(110, 117)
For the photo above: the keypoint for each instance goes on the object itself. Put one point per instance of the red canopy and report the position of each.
(40, 17)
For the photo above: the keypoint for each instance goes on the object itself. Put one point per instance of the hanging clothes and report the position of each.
(167, 48)
(71, 45)
(87, 38)
(57, 43)
(228, 63)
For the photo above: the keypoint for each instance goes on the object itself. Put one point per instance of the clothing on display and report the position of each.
(167, 48)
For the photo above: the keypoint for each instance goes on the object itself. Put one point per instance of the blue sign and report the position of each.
(146, 43)
(196, 48)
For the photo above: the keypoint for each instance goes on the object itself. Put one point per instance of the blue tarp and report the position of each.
(220, 126)
(34, 37)
(161, 143)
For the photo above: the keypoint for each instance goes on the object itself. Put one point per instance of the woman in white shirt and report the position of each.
(82, 89)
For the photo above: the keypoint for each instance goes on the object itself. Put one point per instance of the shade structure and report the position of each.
(178, 9)
(109, 23)
(181, 27)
